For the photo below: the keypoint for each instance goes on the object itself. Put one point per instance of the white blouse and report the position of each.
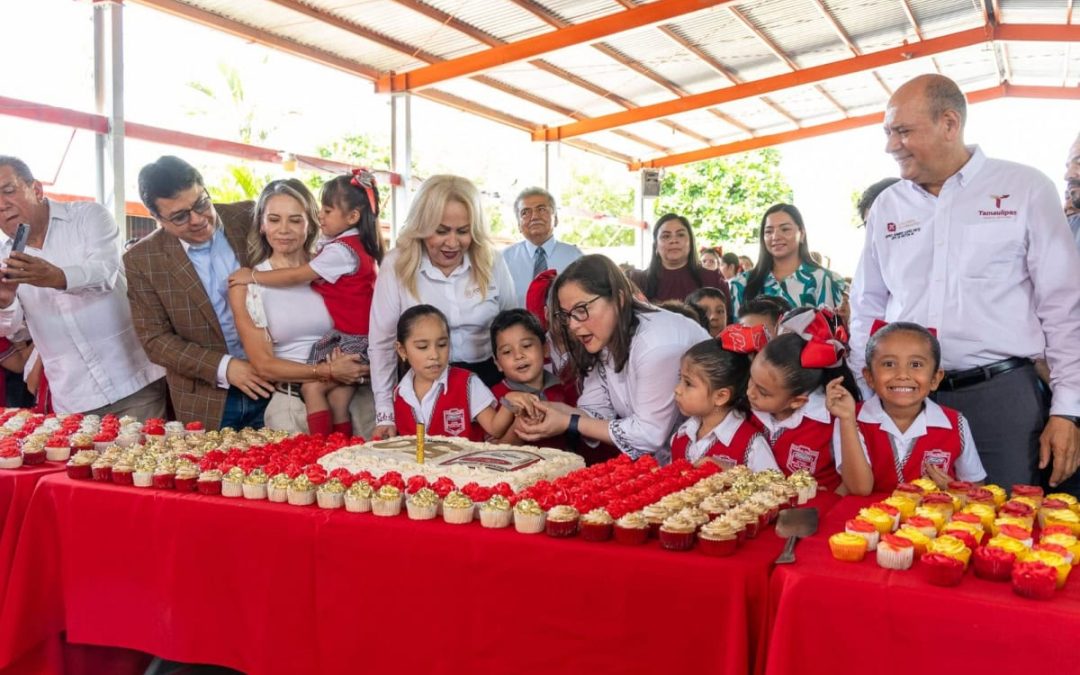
(640, 400)
(295, 316)
(468, 311)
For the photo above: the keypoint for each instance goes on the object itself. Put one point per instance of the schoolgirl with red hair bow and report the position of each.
(900, 434)
(787, 392)
(712, 394)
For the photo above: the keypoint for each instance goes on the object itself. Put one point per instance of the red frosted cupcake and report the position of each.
(980, 495)
(1018, 533)
(632, 529)
(1031, 491)
(993, 564)
(596, 525)
(562, 521)
(1034, 580)
(1017, 510)
(941, 570)
(10, 456)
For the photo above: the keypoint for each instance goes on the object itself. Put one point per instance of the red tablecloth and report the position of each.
(16, 486)
(834, 618)
(269, 588)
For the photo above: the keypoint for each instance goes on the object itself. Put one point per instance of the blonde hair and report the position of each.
(425, 216)
(257, 245)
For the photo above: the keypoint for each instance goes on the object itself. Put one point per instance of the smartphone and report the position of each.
(18, 242)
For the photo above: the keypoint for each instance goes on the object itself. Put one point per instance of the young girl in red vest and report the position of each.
(712, 394)
(448, 401)
(787, 393)
(900, 434)
(343, 273)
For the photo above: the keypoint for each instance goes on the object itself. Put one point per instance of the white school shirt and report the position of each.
(468, 312)
(759, 455)
(968, 465)
(333, 262)
(640, 400)
(84, 334)
(521, 257)
(989, 262)
(813, 409)
(480, 397)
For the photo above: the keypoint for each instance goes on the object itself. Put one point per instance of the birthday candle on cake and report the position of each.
(419, 442)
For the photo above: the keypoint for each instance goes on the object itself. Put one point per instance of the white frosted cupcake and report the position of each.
(387, 501)
(232, 483)
(529, 517)
(496, 512)
(301, 491)
(358, 497)
(458, 508)
(255, 485)
(278, 488)
(331, 494)
(422, 505)
(143, 476)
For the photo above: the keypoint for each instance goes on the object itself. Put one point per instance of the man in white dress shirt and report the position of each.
(537, 219)
(70, 289)
(978, 249)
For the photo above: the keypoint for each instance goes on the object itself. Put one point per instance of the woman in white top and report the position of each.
(278, 326)
(628, 354)
(444, 257)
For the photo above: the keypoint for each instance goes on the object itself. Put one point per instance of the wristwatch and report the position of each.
(573, 436)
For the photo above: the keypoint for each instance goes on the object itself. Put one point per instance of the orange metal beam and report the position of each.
(813, 74)
(588, 31)
(1003, 90)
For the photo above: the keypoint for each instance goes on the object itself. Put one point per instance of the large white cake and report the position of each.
(460, 460)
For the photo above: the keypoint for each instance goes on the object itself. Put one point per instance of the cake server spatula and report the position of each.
(795, 524)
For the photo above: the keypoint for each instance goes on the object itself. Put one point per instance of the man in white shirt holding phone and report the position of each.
(68, 286)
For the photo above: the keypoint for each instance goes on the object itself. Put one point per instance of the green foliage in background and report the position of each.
(724, 198)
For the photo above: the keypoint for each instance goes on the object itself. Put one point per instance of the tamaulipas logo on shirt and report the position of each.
(999, 211)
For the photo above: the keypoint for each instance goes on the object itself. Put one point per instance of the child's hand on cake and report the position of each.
(383, 432)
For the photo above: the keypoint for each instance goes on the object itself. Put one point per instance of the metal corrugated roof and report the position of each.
(618, 90)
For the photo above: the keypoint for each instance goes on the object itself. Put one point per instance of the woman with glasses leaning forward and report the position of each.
(627, 354)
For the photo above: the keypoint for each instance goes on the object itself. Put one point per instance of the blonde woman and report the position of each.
(444, 257)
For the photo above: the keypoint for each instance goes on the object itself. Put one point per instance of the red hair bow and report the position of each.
(743, 339)
(365, 180)
(537, 295)
(879, 324)
(826, 342)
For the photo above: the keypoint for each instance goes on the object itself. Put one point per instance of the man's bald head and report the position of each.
(938, 93)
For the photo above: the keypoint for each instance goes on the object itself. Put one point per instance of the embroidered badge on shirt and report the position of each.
(454, 421)
(802, 458)
(902, 230)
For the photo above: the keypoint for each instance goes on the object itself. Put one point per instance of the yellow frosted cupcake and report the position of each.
(1067, 541)
(920, 540)
(1014, 546)
(999, 494)
(1060, 517)
(1063, 497)
(926, 484)
(878, 518)
(935, 516)
(1026, 523)
(847, 547)
(984, 512)
(1060, 565)
(950, 546)
(902, 504)
(977, 532)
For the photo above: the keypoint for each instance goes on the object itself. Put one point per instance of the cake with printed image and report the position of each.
(462, 461)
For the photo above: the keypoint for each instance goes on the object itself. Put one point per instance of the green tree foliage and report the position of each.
(590, 193)
(724, 198)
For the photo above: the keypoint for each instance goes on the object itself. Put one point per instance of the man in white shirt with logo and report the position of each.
(537, 219)
(979, 250)
(70, 289)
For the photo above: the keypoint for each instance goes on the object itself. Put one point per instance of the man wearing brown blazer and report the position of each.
(177, 286)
